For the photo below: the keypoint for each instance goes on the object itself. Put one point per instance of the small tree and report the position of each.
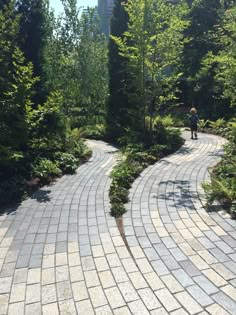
(152, 45)
(16, 85)
(199, 88)
(225, 60)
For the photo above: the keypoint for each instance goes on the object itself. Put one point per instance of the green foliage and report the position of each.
(16, 85)
(167, 121)
(223, 190)
(198, 86)
(48, 126)
(225, 60)
(35, 139)
(117, 115)
(34, 31)
(219, 123)
(12, 189)
(152, 47)
(124, 174)
(203, 124)
(219, 127)
(223, 178)
(95, 131)
(46, 170)
(134, 159)
(66, 162)
(77, 65)
(119, 195)
(117, 210)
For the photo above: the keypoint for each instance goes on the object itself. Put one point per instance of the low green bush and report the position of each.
(134, 159)
(222, 187)
(46, 170)
(66, 162)
(117, 210)
(219, 127)
(12, 190)
(119, 195)
(95, 131)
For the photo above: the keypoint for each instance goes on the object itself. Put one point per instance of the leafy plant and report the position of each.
(219, 123)
(223, 178)
(134, 159)
(95, 131)
(202, 124)
(155, 27)
(168, 121)
(12, 190)
(220, 189)
(66, 162)
(46, 170)
(117, 210)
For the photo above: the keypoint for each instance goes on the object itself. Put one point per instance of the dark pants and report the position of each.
(194, 128)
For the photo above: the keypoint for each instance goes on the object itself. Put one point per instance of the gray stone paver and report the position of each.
(194, 247)
(62, 253)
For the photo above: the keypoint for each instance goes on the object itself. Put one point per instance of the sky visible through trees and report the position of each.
(57, 5)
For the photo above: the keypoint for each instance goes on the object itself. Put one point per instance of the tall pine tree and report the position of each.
(33, 38)
(197, 89)
(3, 3)
(118, 101)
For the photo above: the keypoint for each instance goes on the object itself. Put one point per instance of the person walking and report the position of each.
(193, 119)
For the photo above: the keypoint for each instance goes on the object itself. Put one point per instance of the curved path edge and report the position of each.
(191, 253)
(61, 251)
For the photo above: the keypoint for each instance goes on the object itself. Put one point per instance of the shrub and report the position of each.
(222, 190)
(173, 139)
(202, 124)
(219, 123)
(66, 162)
(117, 210)
(135, 158)
(46, 170)
(168, 121)
(122, 176)
(95, 131)
(223, 178)
(12, 190)
(82, 151)
(158, 150)
(119, 195)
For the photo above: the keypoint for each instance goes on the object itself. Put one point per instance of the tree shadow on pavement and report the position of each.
(182, 197)
(42, 196)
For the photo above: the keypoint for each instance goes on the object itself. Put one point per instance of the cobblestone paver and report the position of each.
(61, 252)
(192, 253)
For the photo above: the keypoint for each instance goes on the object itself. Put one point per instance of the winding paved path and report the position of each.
(61, 252)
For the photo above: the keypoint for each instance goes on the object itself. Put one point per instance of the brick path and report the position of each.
(61, 252)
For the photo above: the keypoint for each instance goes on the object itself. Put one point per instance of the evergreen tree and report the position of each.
(16, 86)
(197, 89)
(224, 62)
(3, 3)
(33, 38)
(118, 102)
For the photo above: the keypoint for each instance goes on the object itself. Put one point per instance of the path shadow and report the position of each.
(10, 209)
(42, 196)
(183, 197)
(218, 153)
(185, 150)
